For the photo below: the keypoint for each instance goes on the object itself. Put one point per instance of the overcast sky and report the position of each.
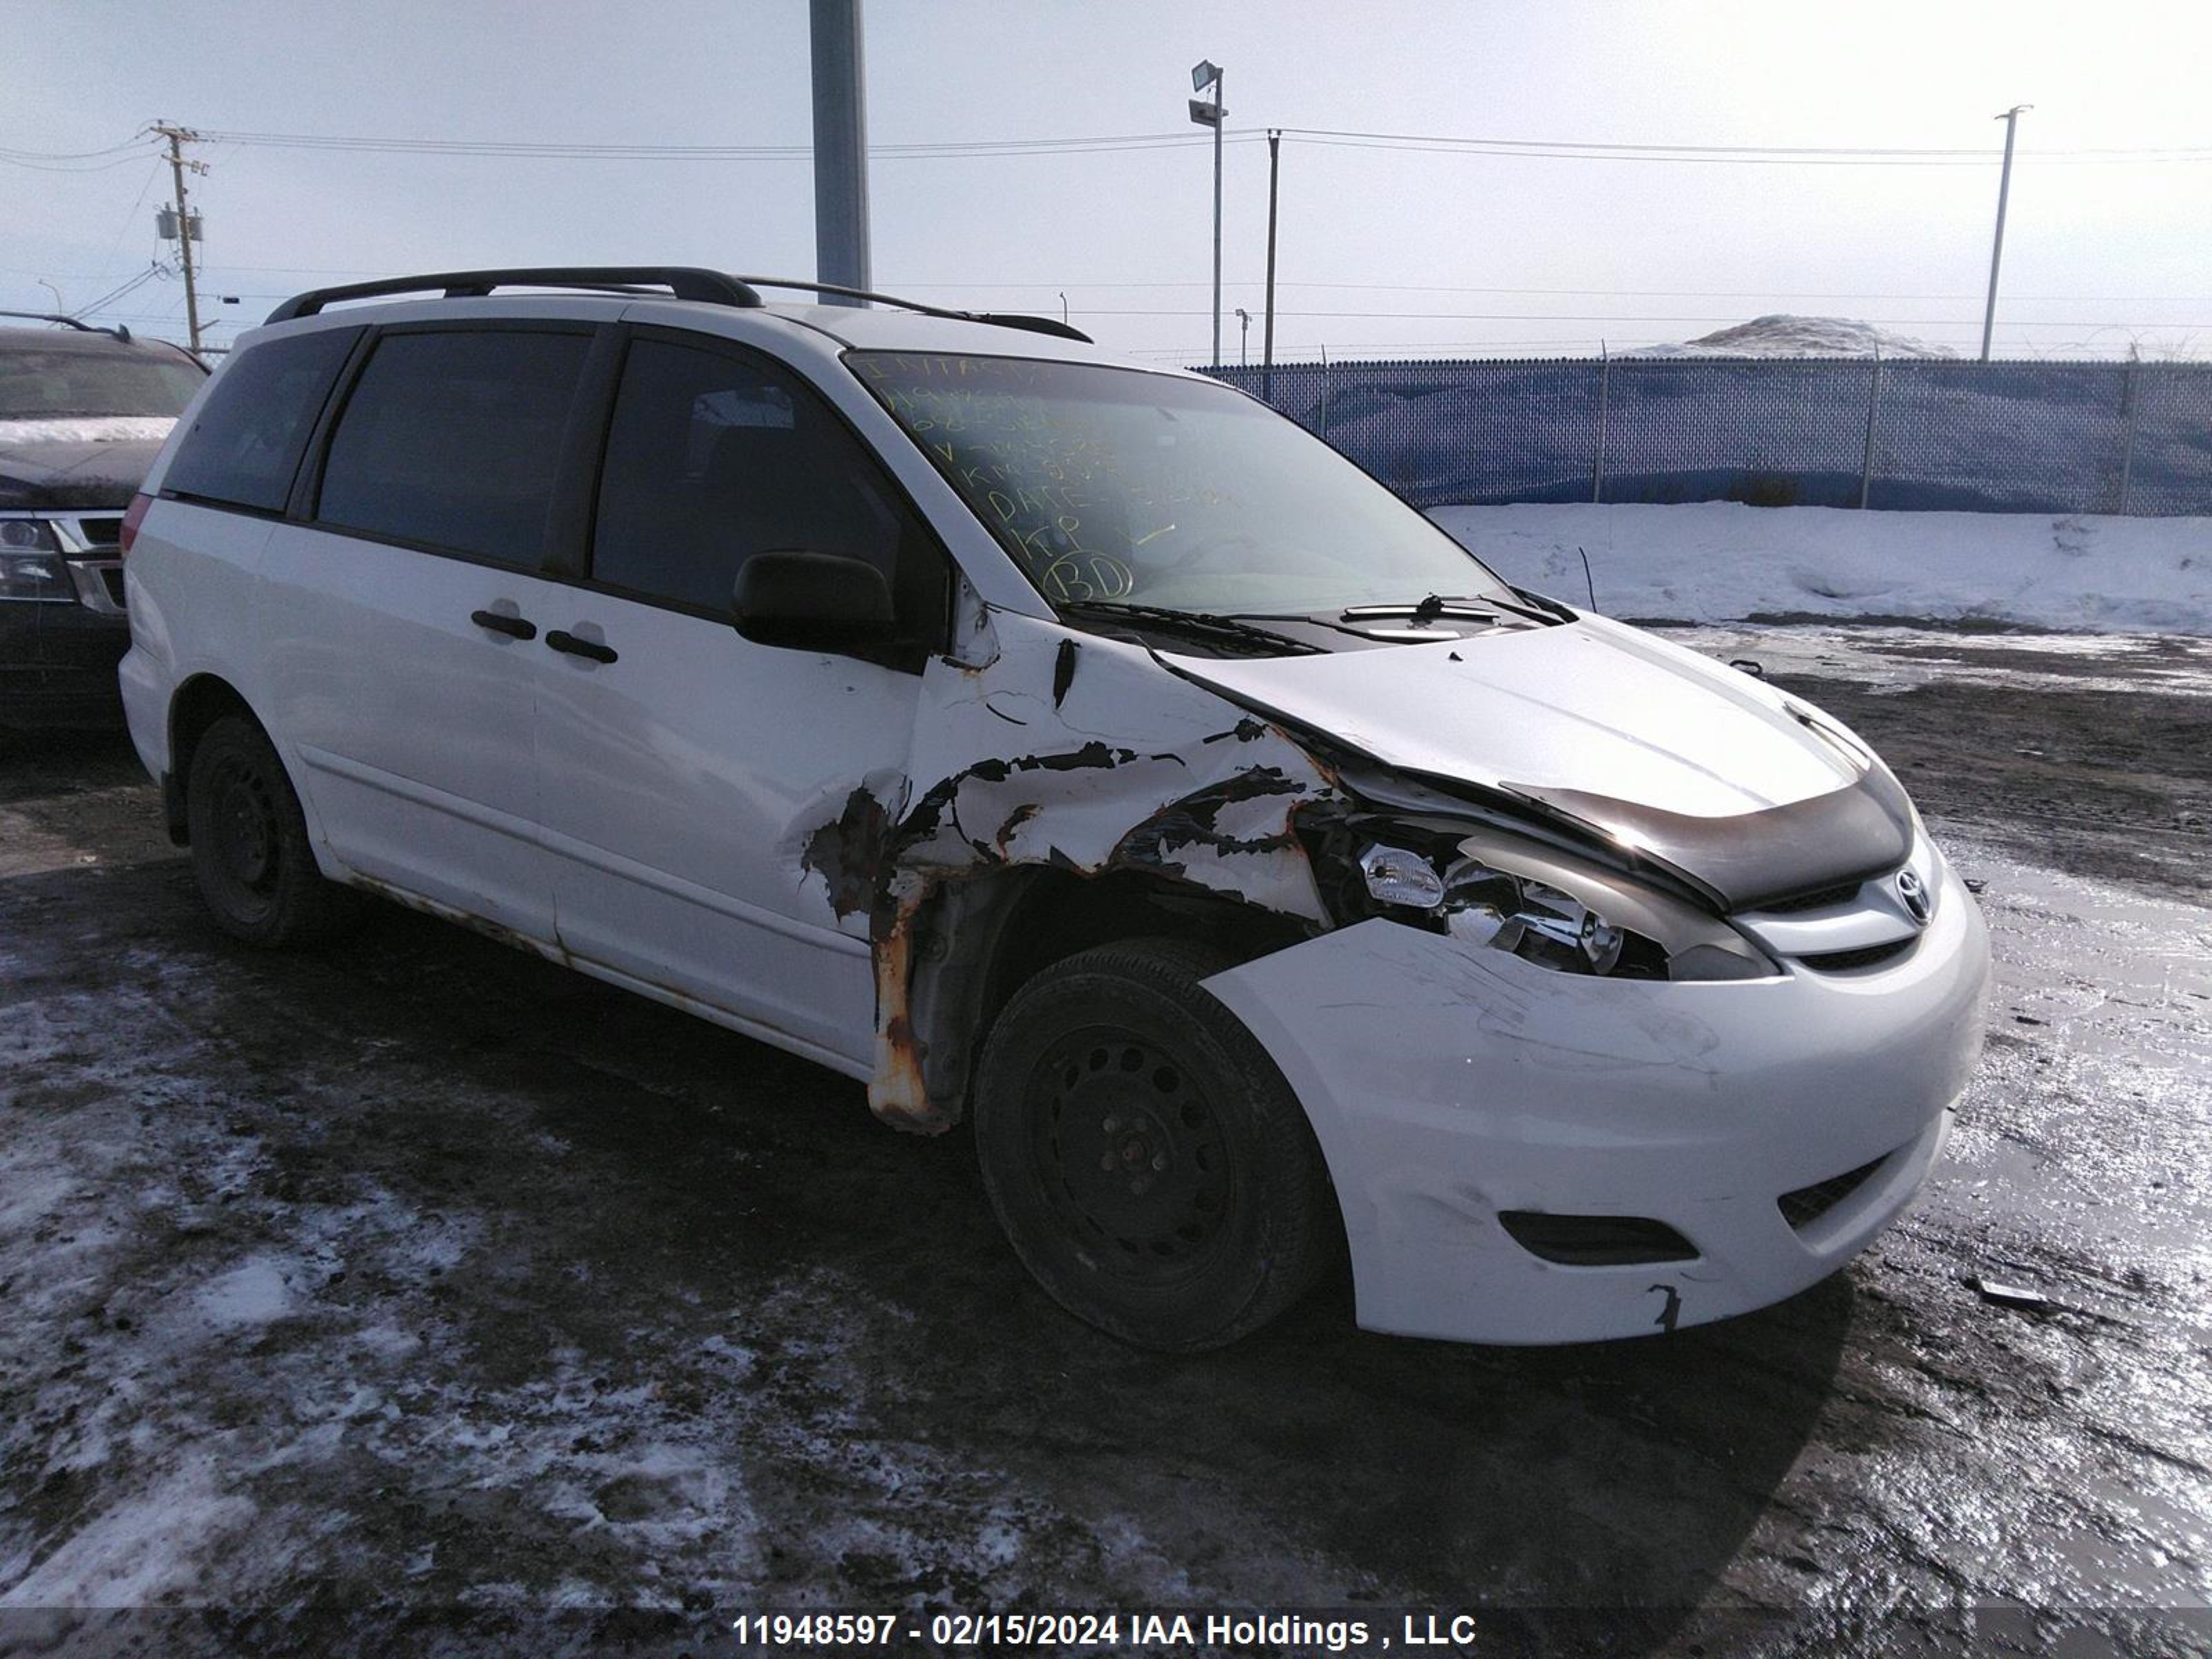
(1375, 241)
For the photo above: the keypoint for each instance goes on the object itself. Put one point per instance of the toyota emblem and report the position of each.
(1914, 892)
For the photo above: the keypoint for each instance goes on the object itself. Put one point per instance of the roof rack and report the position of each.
(681, 281)
(119, 331)
(998, 319)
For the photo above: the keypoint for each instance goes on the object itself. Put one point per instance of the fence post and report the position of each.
(1324, 391)
(2130, 395)
(1874, 406)
(1604, 396)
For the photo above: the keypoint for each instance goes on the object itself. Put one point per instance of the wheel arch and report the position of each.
(975, 941)
(198, 704)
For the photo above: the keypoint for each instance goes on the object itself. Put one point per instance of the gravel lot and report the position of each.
(394, 1296)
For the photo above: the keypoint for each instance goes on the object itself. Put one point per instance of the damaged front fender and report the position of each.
(1079, 755)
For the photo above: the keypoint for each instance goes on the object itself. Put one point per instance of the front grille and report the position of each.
(1802, 1208)
(1866, 956)
(1818, 899)
(1595, 1240)
(101, 533)
(111, 578)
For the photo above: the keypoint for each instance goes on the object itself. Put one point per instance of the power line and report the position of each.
(578, 150)
(1616, 317)
(2190, 151)
(1582, 292)
(1056, 284)
(131, 143)
(1552, 149)
(54, 167)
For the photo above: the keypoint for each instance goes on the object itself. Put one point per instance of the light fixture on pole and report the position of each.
(1245, 340)
(1204, 73)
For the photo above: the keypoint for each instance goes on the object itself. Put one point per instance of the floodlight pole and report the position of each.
(1221, 120)
(841, 149)
(1207, 73)
(2011, 118)
(1267, 339)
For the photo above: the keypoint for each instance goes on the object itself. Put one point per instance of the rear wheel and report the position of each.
(250, 850)
(1147, 1161)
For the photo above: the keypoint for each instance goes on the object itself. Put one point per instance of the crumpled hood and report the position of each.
(1665, 752)
(1590, 706)
(77, 461)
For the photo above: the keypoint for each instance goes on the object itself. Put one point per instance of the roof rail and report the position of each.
(119, 331)
(682, 281)
(998, 318)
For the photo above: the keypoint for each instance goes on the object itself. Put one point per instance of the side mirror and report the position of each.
(811, 601)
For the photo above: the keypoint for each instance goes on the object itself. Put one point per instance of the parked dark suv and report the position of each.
(82, 413)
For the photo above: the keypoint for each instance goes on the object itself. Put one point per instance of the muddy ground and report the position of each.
(421, 1295)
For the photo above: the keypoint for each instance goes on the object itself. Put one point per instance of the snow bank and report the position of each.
(1781, 335)
(1717, 561)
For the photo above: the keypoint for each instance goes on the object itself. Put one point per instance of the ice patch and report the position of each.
(254, 1294)
(150, 1547)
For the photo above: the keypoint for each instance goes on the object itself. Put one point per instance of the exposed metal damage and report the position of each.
(1194, 795)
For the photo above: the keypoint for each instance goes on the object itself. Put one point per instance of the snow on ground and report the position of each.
(1781, 335)
(1721, 561)
(87, 429)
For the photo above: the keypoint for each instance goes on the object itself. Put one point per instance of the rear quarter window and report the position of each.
(246, 443)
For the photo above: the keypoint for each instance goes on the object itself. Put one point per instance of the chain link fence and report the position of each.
(1901, 433)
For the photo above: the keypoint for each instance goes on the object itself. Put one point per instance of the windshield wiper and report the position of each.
(1425, 610)
(1200, 624)
(1428, 609)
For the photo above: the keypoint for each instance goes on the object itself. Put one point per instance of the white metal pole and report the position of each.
(1220, 119)
(2011, 118)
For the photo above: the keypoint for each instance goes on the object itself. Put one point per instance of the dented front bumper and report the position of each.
(1449, 1082)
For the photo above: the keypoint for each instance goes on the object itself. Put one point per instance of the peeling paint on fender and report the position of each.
(1009, 769)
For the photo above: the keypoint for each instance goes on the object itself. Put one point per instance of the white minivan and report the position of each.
(1081, 750)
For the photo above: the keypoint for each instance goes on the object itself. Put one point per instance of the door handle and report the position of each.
(515, 628)
(561, 639)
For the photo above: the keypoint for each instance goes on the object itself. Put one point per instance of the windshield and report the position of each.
(40, 382)
(1111, 484)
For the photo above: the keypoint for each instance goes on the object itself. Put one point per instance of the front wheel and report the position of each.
(1148, 1162)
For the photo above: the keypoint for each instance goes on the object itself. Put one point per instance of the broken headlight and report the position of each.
(1485, 905)
(1547, 908)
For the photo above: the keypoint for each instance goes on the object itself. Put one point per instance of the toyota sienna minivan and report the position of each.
(1080, 750)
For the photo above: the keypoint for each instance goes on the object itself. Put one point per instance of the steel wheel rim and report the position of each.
(1131, 1156)
(243, 818)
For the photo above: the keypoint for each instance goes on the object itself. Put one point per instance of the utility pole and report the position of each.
(2011, 118)
(178, 167)
(1204, 73)
(1267, 337)
(841, 149)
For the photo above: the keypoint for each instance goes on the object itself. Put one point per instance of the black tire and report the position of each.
(1149, 1164)
(250, 850)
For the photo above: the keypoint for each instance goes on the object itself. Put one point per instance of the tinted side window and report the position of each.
(711, 459)
(246, 443)
(452, 439)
